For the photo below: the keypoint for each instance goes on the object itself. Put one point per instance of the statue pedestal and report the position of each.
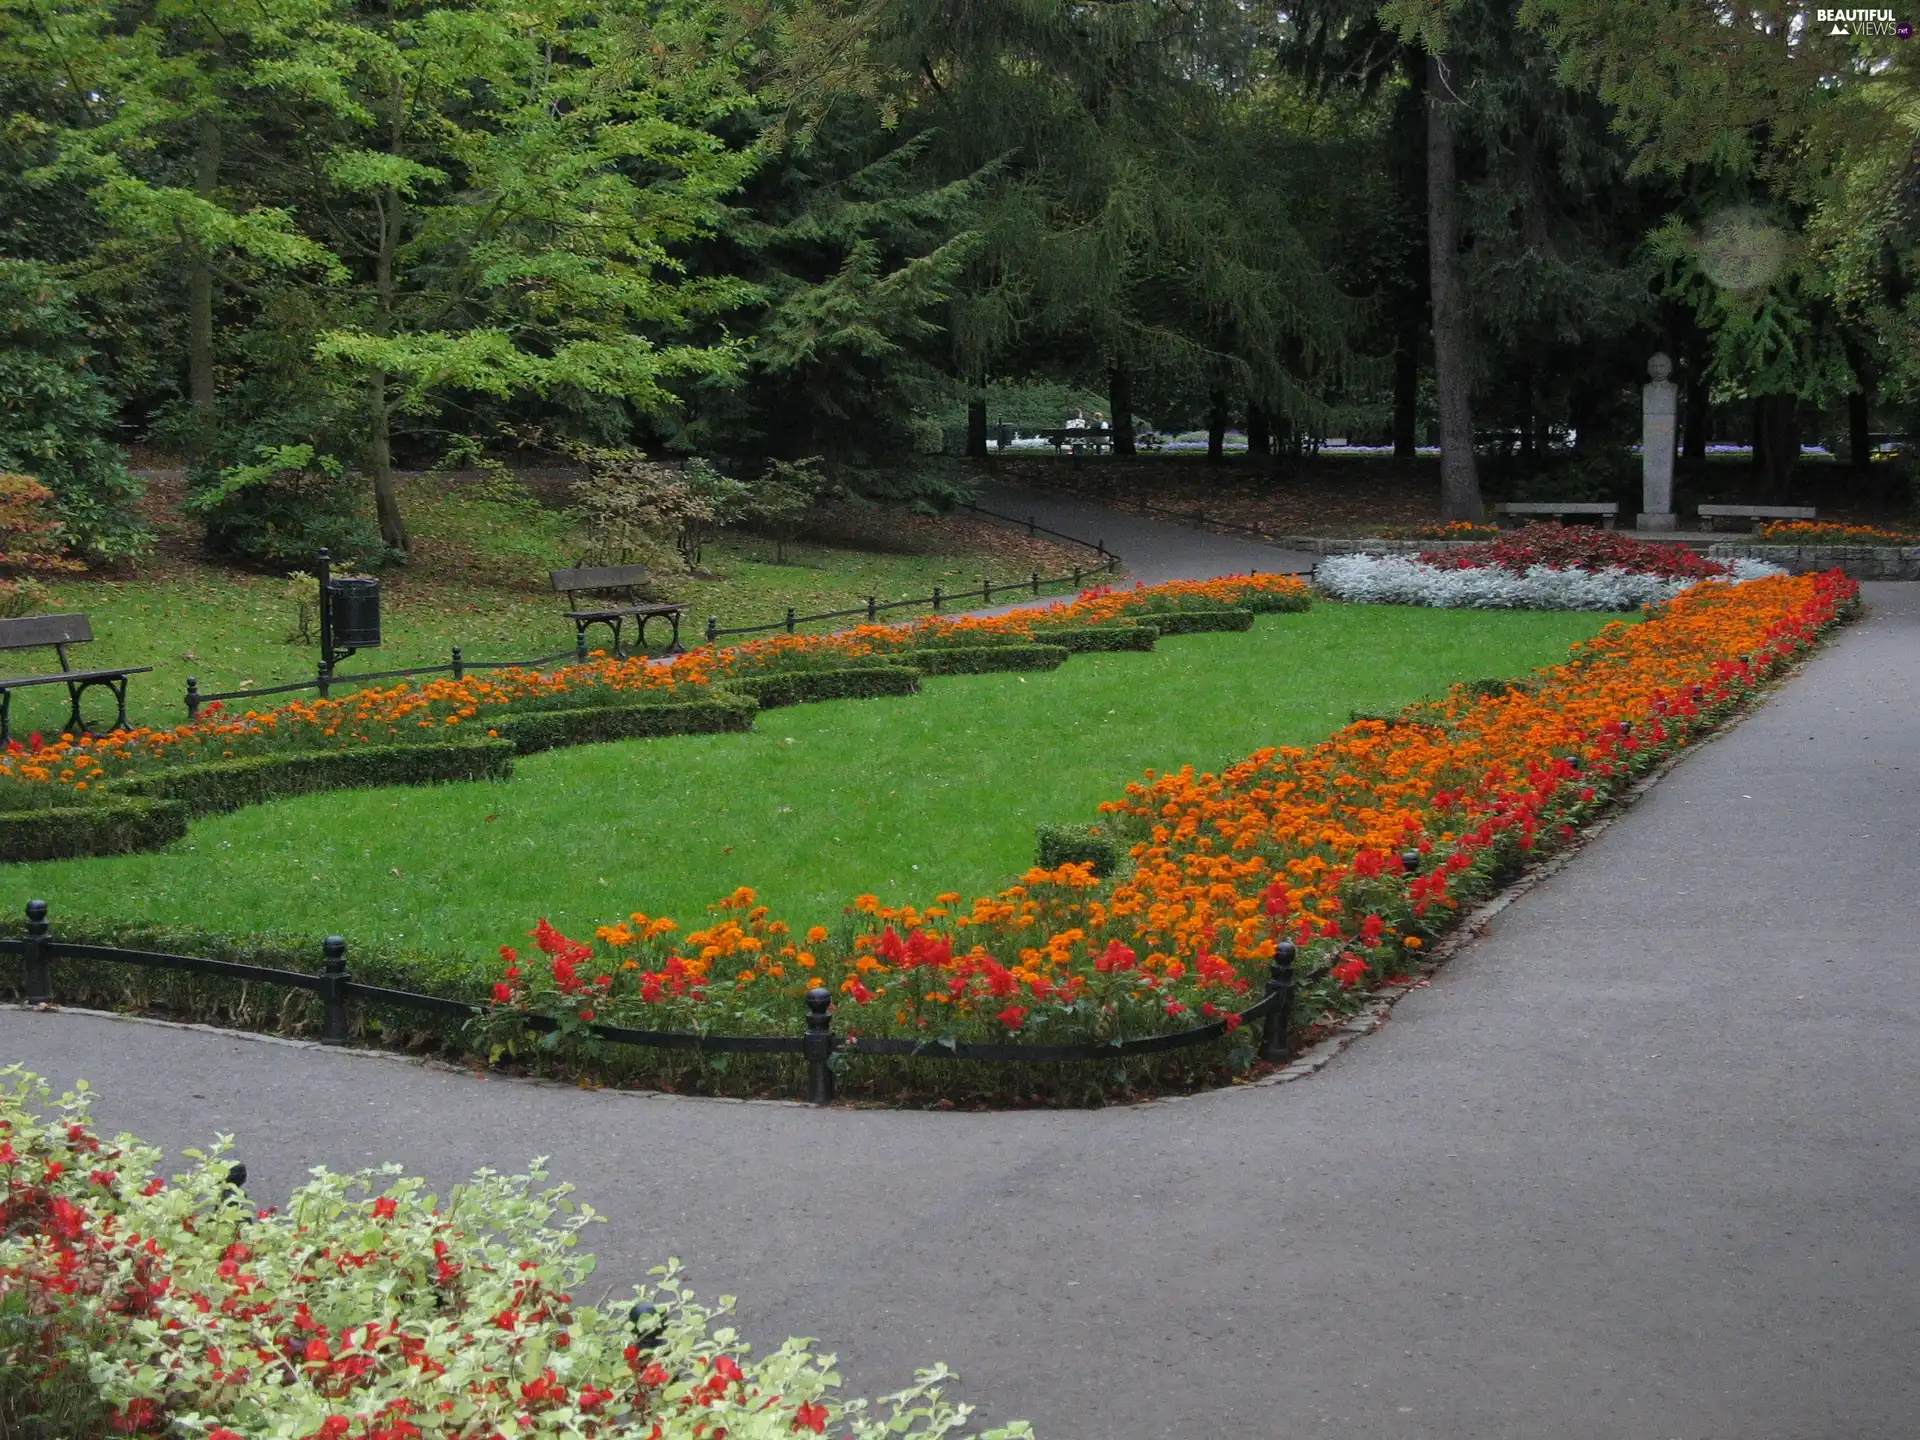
(1659, 410)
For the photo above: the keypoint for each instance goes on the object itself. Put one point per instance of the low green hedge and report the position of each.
(1090, 638)
(108, 827)
(1268, 602)
(218, 785)
(1078, 845)
(988, 659)
(538, 730)
(1197, 622)
(800, 687)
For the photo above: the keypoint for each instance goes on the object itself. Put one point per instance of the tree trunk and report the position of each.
(200, 378)
(1406, 396)
(977, 428)
(1698, 422)
(386, 500)
(1859, 438)
(1259, 434)
(1217, 429)
(1776, 446)
(1120, 397)
(1459, 481)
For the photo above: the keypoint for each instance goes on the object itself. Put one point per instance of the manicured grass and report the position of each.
(903, 798)
(478, 580)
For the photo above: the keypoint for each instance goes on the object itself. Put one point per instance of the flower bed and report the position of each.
(1577, 547)
(366, 1310)
(1293, 845)
(76, 770)
(1402, 580)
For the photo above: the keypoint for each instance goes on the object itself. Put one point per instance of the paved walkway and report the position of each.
(1155, 550)
(1640, 1163)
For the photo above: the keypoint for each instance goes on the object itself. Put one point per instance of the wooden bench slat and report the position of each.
(29, 631)
(18, 682)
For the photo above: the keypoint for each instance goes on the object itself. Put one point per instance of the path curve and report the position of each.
(1640, 1163)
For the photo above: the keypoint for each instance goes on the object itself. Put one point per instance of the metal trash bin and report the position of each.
(353, 610)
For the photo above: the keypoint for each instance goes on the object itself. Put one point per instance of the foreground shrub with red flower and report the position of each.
(367, 1310)
(1304, 846)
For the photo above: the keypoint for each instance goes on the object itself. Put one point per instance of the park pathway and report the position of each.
(1642, 1162)
(1155, 551)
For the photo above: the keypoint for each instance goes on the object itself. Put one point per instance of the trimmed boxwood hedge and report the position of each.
(218, 785)
(799, 687)
(988, 659)
(1272, 602)
(107, 827)
(1078, 845)
(538, 730)
(1090, 638)
(1197, 622)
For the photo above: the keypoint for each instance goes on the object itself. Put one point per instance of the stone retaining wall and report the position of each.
(1857, 562)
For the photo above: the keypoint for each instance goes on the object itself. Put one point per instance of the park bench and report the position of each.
(1753, 513)
(624, 582)
(57, 632)
(1078, 438)
(1605, 510)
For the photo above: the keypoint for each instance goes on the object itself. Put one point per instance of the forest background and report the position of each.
(307, 244)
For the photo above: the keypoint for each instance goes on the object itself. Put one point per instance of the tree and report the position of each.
(57, 416)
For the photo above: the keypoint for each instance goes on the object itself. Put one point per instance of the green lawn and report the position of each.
(903, 797)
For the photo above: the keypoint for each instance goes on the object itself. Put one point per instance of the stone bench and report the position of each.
(1605, 510)
(1753, 513)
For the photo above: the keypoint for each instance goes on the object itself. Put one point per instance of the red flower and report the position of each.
(1349, 971)
(811, 1416)
(1013, 1017)
(502, 993)
(384, 1207)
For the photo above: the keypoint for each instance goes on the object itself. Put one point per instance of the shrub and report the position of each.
(1092, 638)
(58, 416)
(1576, 547)
(70, 832)
(986, 659)
(1198, 622)
(212, 786)
(551, 729)
(1088, 845)
(191, 1313)
(282, 504)
(801, 687)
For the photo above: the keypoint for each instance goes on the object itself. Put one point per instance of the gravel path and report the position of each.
(1640, 1163)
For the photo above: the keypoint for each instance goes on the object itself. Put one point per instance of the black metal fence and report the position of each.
(816, 1042)
(325, 677)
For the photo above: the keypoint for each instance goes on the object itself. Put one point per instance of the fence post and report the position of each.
(986, 590)
(1036, 582)
(459, 665)
(873, 608)
(193, 698)
(1273, 1041)
(1030, 525)
(789, 619)
(1410, 861)
(936, 598)
(713, 628)
(1076, 579)
(819, 1051)
(33, 955)
(333, 991)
